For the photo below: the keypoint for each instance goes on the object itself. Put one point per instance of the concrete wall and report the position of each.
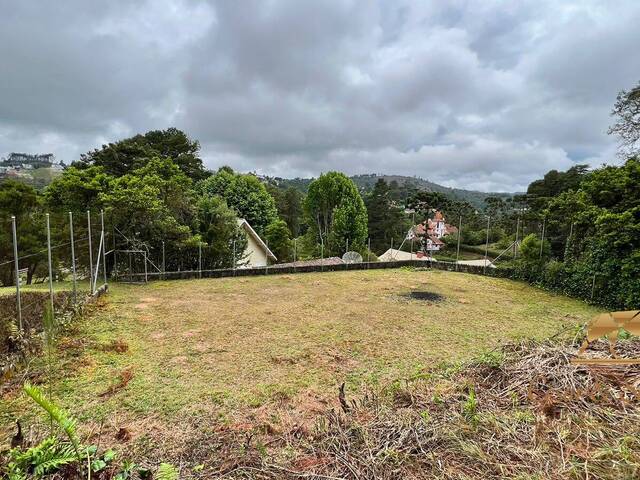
(275, 270)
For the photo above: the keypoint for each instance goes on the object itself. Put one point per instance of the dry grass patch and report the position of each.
(274, 349)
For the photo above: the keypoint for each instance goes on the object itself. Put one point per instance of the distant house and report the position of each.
(21, 159)
(431, 231)
(256, 254)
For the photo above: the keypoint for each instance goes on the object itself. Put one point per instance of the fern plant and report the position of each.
(59, 416)
(166, 471)
(46, 457)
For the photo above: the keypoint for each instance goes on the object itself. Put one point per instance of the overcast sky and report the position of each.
(483, 95)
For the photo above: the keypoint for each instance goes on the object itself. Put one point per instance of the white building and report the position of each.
(256, 254)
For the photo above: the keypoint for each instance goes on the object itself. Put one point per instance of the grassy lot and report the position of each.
(252, 349)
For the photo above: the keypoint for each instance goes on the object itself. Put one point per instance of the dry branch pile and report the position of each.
(525, 413)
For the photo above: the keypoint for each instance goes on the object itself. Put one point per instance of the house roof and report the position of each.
(244, 224)
(436, 240)
(392, 254)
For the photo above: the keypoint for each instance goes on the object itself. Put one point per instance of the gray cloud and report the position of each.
(481, 95)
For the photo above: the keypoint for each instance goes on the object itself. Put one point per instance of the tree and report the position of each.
(627, 127)
(289, 205)
(279, 239)
(594, 233)
(246, 194)
(22, 201)
(129, 154)
(386, 220)
(77, 189)
(423, 202)
(291, 210)
(219, 229)
(530, 248)
(335, 213)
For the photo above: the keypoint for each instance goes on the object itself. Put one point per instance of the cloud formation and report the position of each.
(482, 95)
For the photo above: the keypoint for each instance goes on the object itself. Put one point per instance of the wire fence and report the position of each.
(76, 254)
(57, 261)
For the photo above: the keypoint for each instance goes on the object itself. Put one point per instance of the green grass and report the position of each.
(44, 286)
(238, 348)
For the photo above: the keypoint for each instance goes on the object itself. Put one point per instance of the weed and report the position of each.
(470, 407)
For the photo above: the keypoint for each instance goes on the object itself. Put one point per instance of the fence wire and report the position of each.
(78, 253)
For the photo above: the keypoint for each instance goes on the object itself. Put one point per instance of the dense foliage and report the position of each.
(594, 230)
(245, 193)
(122, 157)
(21, 200)
(386, 218)
(336, 214)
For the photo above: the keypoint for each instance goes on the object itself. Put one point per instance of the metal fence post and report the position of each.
(164, 267)
(146, 277)
(114, 270)
(295, 253)
(486, 245)
(413, 232)
(346, 265)
(104, 247)
(15, 258)
(50, 265)
(544, 219)
(199, 259)
(266, 268)
(368, 251)
(321, 256)
(90, 252)
(73, 261)
(458, 247)
(515, 245)
(234, 257)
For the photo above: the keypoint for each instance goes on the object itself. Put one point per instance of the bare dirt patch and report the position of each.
(425, 296)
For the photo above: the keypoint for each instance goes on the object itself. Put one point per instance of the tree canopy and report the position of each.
(245, 193)
(124, 156)
(335, 213)
(386, 219)
(627, 126)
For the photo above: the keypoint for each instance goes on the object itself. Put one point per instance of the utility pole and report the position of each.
(15, 258)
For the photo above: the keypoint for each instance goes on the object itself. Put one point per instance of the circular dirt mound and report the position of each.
(425, 296)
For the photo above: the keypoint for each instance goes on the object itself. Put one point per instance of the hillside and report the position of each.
(365, 183)
(37, 177)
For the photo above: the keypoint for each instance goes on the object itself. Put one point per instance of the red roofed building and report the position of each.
(431, 231)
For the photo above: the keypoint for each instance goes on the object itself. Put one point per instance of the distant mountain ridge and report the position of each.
(366, 182)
